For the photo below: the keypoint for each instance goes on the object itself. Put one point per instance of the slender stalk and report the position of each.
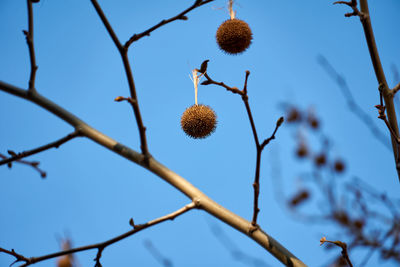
(132, 88)
(29, 41)
(259, 147)
(380, 76)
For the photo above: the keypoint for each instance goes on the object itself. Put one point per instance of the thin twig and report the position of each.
(101, 246)
(33, 164)
(379, 73)
(29, 40)
(353, 5)
(180, 16)
(341, 245)
(351, 103)
(55, 144)
(18, 257)
(272, 137)
(259, 147)
(396, 89)
(134, 103)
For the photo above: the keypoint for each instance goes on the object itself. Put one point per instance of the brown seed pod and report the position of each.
(339, 166)
(302, 150)
(198, 121)
(320, 160)
(234, 36)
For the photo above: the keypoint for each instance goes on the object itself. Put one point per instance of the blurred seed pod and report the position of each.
(320, 160)
(313, 122)
(198, 121)
(234, 36)
(299, 198)
(64, 261)
(293, 115)
(339, 166)
(302, 150)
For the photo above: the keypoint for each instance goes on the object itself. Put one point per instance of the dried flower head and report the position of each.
(234, 36)
(198, 121)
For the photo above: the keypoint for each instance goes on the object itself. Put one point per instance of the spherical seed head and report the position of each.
(234, 36)
(320, 160)
(339, 166)
(302, 151)
(198, 121)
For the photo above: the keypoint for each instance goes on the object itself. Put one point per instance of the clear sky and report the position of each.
(90, 193)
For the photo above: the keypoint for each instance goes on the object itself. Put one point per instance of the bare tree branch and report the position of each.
(56, 144)
(207, 204)
(33, 164)
(341, 245)
(180, 16)
(29, 40)
(353, 5)
(134, 103)
(396, 89)
(259, 147)
(101, 246)
(380, 75)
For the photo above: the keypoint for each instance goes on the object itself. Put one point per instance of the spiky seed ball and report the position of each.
(234, 36)
(198, 121)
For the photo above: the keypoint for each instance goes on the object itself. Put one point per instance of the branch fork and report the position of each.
(259, 146)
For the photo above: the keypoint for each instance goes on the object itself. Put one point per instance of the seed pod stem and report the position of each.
(196, 81)
(230, 7)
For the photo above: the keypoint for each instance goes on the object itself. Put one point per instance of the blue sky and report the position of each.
(91, 193)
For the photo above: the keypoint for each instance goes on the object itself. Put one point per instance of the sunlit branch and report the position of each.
(396, 89)
(175, 180)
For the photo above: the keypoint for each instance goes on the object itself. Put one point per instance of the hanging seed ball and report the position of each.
(234, 36)
(302, 150)
(198, 121)
(339, 166)
(320, 160)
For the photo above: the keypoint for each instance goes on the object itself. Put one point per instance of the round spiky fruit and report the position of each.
(234, 36)
(198, 121)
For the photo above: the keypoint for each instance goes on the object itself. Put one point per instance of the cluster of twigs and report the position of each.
(351, 211)
(366, 218)
(386, 94)
(259, 145)
(199, 200)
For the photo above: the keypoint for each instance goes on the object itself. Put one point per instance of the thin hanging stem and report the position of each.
(230, 7)
(196, 81)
